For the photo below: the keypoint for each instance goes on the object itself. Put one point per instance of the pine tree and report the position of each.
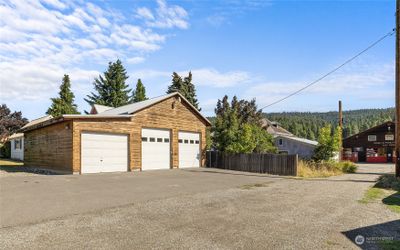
(139, 94)
(191, 91)
(185, 87)
(64, 104)
(111, 89)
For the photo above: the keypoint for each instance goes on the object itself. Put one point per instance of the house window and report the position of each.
(371, 137)
(197, 142)
(180, 141)
(186, 141)
(159, 139)
(166, 139)
(280, 142)
(144, 139)
(152, 139)
(389, 137)
(17, 144)
(191, 142)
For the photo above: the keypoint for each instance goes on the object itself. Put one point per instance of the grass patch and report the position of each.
(372, 194)
(386, 189)
(311, 169)
(10, 163)
(389, 244)
(254, 185)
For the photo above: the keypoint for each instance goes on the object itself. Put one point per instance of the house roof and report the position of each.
(16, 135)
(295, 138)
(100, 108)
(37, 121)
(123, 112)
(274, 128)
(385, 124)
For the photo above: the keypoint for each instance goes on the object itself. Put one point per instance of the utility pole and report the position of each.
(341, 131)
(397, 135)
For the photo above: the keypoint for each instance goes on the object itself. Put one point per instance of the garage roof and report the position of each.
(135, 107)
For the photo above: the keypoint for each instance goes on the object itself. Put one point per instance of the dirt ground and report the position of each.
(193, 208)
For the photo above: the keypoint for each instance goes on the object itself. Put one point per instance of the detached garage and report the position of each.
(160, 133)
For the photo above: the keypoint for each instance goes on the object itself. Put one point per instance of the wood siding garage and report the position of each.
(156, 150)
(189, 149)
(104, 153)
(57, 144)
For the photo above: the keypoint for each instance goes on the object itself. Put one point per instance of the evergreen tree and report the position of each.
(64, 104)
(185, 87)
(111, 89)
(139, 94)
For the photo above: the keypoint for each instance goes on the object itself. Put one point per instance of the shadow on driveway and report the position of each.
(379, 236)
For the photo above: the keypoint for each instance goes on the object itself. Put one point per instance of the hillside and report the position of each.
(307, 124)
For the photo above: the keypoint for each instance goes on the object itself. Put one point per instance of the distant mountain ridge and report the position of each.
(307, 124)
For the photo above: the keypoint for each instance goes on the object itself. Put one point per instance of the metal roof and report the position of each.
(135, 107)
(295, 138)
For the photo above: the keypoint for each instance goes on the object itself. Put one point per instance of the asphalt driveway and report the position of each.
(193, 208)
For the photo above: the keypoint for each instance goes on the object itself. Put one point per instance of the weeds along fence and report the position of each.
(277, 164)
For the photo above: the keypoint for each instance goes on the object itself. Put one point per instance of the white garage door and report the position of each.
(104, 153)
(155, 149)
(189, 150)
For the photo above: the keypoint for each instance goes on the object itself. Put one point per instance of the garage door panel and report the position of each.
(104, 153)
(155, 149)
(189, 149)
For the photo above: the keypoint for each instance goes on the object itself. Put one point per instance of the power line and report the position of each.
(334, 70)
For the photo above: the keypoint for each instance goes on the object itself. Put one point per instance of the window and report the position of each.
(186, 141)
(159, 139)
(389, 137)
(371, 137)
(144, 139)
(280, 142)
(152, 139)
(166, 139)
(180, 141)
(17, 144)
(197, 142)
(191, 142)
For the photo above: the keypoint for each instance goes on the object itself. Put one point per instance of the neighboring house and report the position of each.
(17, 139)
(160, 133)
(290, 144)
(17, 146)
(287, 143)
(376, 144)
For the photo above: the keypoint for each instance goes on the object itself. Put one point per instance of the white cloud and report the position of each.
(165, 16)
(357, 81)
(217, 79)
(201, 77)
(40, 40)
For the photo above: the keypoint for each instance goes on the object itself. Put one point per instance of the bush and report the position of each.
(348, 167)
(388, 181)
(5, 150)
(312, 169)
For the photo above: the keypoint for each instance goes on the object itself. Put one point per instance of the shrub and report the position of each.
(5, 150)
(388, 181)
(348, 167)
(310, 169)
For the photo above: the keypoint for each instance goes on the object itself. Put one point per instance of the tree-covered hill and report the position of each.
(307, 124)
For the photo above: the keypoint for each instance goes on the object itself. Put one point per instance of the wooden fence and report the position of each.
(277, 164)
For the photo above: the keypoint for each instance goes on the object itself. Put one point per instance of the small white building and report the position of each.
(17, 139)
(17, 146)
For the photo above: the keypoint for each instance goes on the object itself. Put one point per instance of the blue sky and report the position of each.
(252, 49)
